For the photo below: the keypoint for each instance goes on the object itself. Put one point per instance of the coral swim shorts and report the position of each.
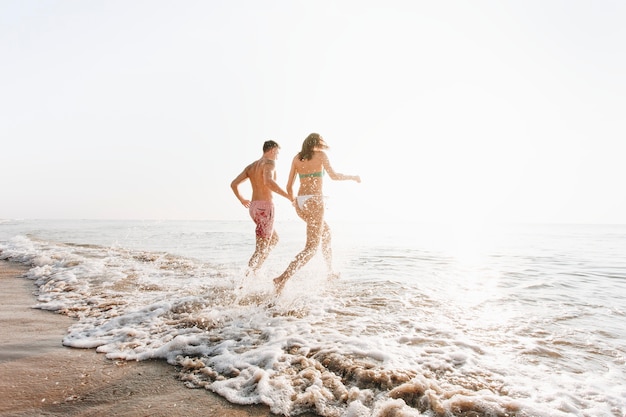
(262, 212)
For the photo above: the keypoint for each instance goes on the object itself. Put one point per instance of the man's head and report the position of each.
(269, 145)
(270, 149)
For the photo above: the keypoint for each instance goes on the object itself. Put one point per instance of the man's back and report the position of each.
(261, 173)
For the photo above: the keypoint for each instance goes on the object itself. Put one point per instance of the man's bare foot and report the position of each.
(279, 284)
(333, 275)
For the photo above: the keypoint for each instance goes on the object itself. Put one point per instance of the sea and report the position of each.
(424, 319)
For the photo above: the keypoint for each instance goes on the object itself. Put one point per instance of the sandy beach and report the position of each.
(41, 377)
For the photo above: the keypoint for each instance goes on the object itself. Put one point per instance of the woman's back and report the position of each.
(310, 173)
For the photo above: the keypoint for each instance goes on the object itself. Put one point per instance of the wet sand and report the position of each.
(41, 377)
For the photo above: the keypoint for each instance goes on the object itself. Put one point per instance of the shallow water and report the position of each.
(425, 320)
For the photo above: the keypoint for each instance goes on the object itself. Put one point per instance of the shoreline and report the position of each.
(40, 376)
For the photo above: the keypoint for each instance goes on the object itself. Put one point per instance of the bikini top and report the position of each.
(312, 174)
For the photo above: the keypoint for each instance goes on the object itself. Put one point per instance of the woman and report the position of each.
(310, 165)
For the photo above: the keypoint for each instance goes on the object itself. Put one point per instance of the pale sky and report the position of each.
(462, 111)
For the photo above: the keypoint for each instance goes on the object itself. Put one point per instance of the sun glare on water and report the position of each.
(470, 248)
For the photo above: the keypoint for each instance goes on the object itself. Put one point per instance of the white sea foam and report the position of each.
(532, 327)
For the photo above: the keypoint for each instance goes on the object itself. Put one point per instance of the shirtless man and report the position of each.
(262, 176)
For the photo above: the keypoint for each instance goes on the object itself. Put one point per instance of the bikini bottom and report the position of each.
(302, 199)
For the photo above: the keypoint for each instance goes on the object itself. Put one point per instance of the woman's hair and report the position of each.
(314, 140)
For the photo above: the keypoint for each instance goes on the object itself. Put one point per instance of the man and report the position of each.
(262, 176)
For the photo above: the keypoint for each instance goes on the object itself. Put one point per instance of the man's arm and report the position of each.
(268, 179)
(235, 187)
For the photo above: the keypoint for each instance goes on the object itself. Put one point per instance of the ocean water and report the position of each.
(425, 320)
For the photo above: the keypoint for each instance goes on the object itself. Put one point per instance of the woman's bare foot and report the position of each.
(279, 284)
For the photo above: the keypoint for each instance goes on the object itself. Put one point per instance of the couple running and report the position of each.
(309, 165)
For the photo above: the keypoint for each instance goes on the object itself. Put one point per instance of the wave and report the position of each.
(373, 347)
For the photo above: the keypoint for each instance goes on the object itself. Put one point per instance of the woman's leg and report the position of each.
(313, 215)
(327, 250)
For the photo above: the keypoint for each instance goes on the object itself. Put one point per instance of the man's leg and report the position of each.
(263, 248)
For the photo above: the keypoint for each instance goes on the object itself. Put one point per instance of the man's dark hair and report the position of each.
(270, 144)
